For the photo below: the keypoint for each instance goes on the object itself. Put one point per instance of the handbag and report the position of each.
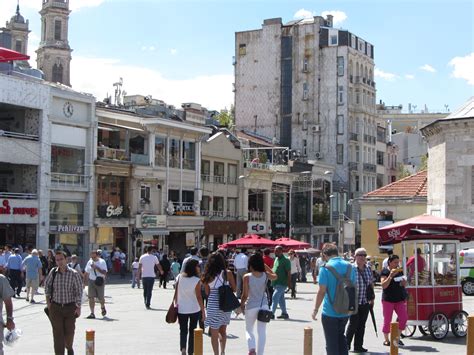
(264, 315)
(172, 314)
(227, 299)
(99, 280)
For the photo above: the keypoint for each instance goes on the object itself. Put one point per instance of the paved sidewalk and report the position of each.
(131, 329)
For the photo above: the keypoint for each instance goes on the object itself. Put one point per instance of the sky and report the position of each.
(181, 50)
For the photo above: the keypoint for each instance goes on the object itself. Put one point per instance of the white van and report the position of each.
(466, 267)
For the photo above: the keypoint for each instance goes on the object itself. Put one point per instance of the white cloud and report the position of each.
(303, 13)
(96, 76)
(173, 51)
(428, 68)
(339, 16)
(409, 76)
(148, 48)
(385, 75)
(463, 68)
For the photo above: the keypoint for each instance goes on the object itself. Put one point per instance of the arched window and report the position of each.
(57, 76)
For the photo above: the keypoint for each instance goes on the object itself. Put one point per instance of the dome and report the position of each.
(17, 18)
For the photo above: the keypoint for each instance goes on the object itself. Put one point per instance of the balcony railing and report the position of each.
(354, 137)
(256, 216)
(20, 196)
(218, 179)
(8, 134)
(353, 166)
(205, 178)
(140, 159)
(370, 168)
(112, 153)
(218, 214)
(69, 180)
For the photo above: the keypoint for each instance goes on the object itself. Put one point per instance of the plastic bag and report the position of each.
(12, 336)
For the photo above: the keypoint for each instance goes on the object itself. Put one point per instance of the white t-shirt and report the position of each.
(148, 262)
(385, 263)
(100, 263)
(187, 300)
(241, 261)
(135, 265)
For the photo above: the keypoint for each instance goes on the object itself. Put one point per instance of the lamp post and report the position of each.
(340, 214)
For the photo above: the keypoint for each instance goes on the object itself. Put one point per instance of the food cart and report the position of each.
(430, 257)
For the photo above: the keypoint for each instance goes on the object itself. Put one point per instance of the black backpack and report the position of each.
(345, 298)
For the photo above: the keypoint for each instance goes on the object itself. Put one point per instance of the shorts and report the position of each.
(95, 291)
(34, 283)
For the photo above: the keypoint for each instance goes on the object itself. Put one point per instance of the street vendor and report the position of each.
(411, 263)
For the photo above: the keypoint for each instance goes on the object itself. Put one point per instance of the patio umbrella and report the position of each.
(308, 251)
(7, 55)
(250, 241)
(372, 315)
(417, 227)
(291, 243)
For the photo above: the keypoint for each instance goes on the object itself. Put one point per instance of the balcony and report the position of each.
(354, 137)
(219, 214)
(59, 180)
(205, 178)
(370, 168)
(353, 166)
(256, 216)
(218, 179)
(18, 196)
(107, 153)
(18, 181)
(19, 122)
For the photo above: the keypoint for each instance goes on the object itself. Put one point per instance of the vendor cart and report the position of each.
(430, 255)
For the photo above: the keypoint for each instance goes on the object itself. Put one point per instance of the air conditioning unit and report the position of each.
(316, 128)
(318, 155)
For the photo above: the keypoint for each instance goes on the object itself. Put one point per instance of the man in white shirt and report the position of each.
(193, 255)
(94, 277)
(146, 271)
(241, 268)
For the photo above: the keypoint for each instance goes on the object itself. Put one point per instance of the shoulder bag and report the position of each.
(99, 280)
(227, 299)
(172, 314)
(55, 271)
(264, 315)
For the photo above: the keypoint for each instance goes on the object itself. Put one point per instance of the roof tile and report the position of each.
(415, 185)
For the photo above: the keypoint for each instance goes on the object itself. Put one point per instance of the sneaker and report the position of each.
(283, 316)
(104, 312)
(272, 316)
(360, 350)
(91, 316)
(26, 299)
(400, 343)
(148, 307)
(32, 301)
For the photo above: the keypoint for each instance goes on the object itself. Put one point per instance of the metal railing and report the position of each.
(255, 165)
(69, 180)
(353, 166)
(218, 179)
(205, 178)
(218, 214)
(112, 153)
(31, 137)
(256, 216)
(19, 196)
(371, 168)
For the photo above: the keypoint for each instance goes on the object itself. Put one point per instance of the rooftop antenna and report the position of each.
(446, 106)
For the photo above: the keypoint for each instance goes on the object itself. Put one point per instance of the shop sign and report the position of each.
(190, 239)
(153, 221)
(25, 211)
(256, 228)
(110, 211)
(280, 226)
(70, 229)
(184, 210)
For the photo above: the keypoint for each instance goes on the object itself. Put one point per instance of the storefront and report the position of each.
(18, 222)
(150, 230)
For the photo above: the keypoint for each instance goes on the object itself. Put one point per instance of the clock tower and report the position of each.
(54, 53)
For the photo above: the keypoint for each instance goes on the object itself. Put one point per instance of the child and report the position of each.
(135, 279)
(175, 269)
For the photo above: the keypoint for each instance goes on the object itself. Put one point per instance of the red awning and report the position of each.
(250, 241)
(7, 55)
(425, 227)
(289, 243)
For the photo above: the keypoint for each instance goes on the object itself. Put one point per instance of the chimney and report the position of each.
(330, 20)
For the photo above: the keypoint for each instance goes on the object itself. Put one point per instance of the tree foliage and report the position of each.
(226, 117)
(424, 163)
(402, 171)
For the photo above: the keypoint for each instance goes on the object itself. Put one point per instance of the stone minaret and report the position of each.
(54, 53)
(18, 28)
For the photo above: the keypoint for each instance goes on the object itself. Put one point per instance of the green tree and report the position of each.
(424, 163)
(226, 117)
(402, 171)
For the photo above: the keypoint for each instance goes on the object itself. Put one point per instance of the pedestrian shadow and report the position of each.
(107, 319)
(157, 309)
(232, 336)
(419, 349)
(297, 320)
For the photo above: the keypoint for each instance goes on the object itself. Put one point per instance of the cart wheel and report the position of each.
(424, 329)
(468, 287)
(459, 324)
(409, 331)
(438, 325)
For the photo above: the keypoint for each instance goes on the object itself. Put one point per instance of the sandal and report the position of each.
(104, 311)
(386, 343)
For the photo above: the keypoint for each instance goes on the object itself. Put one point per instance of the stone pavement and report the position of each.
(131, 329)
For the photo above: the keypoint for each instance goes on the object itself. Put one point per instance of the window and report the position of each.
(361, 45)
(232, 174)
(218, 203)
(357, 183)
(357, 97)
(174, 153)
(205, 203)
(57, 30)
(380, 156)
(357, 153)
(18, 46)
(57, 76)
(364, 184)
(340, 153)
(66, 213)
(305, 147)
(160, 151)
(340, 96)
(305, 64)
(340, 124)
(369, 50)
(340, 66)
(111, 191)
(219, 172)
(232, 207)
(333, 40)
(305, 122)
(145, 193)
(206, 168)
(66, 160)
(305, 91)
(242, 49)
(189, 155)
(353, 41)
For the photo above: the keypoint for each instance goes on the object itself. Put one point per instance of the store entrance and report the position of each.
(18, 234)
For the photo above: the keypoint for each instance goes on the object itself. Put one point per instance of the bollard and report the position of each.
(90, 342)
(308, 341)
(470, 335)
(198, 348)
(394, 338)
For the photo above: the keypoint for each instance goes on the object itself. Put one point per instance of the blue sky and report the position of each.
(181, 51)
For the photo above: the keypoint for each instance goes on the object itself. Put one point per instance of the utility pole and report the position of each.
(340, 241)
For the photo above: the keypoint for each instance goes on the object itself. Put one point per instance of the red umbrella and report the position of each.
(248, 241)
(292, 243)
(7, 55)
(420, 227)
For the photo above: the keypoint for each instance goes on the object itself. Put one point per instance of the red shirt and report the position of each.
(268, 260)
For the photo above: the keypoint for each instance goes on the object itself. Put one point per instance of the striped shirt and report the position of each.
(364, 279)
(67, 286)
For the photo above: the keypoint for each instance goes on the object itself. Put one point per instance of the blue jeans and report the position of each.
(148, 283)
(279, 299)
(336, 343)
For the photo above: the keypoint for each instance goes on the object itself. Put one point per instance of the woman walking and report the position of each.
(393, 296)
(165, 264)
(295, 271)
(254, 299)
(216, 275)
(190, 305)
(50, 260)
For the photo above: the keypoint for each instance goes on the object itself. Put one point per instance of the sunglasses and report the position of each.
(361, 255)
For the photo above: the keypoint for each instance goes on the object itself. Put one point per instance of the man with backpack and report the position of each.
(337, 293)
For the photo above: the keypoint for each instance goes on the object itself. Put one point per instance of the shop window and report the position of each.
(160, 151)
(66, 213)
(189, 155)
(444, 264)
(66, 160)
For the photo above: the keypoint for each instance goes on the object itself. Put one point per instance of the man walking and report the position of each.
(241, 268)
(63, 289)
(365, 295)
(34, 274)
(146, 271)
(334, 323)
(14, 271)
(193, 255)
(281, 267)
(94, 276)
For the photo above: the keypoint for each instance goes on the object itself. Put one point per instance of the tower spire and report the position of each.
(18, 7)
